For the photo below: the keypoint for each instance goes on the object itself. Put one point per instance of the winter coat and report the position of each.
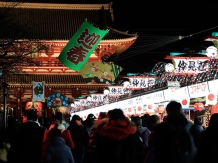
(57, 152)
(118, 143)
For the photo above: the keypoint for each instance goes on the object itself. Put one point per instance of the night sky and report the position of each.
(158, 24)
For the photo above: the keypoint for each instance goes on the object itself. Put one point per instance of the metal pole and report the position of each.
(5, 105)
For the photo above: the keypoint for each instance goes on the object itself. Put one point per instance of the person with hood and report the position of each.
(118, 142)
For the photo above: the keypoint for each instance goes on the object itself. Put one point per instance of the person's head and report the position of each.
(213, 119)
(76, 120)
(145, 119)
(91, 116)
(116, 114)
(152, 122)
(58, 117)
(137, 121)
(102, 115)
(174, 107)
(31, 114)
(54, 132)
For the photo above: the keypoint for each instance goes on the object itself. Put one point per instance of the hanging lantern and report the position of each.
(198, 106)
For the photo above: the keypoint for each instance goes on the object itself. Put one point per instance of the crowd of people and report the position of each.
(112, 137)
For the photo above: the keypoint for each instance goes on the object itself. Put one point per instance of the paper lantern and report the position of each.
(29, 105)
(185, 102)
(198, 106)
(211, 98)
(139, 108)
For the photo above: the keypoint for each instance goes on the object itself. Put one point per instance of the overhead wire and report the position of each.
(162, 41)
(142, 49)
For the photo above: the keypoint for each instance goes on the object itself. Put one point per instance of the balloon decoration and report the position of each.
(35, 105)
(198, 106)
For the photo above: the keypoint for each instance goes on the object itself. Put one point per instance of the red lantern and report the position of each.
(198, 106)
(29, 105)
(150, 106)
(129, 109)
(184, 102)
(139, 108)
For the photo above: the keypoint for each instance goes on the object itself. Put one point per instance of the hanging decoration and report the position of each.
(57, 100)
(38, 92)
(80, 47)
(198, 106)
(100, 72)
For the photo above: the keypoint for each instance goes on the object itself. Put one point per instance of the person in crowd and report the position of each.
(208, 143)
(152, 123)
(175, 138)
(90, 156)
(80, 136)
(56, 149)
(58, 120)
(89, 122)
(213, 120)
(118, 141)
(27, 144)
(141, 131)
(144, 119)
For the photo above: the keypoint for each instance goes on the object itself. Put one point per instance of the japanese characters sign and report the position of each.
(99, 97)
(38, 91)
(141, 82)
(192, 65)
(80, 47)
(198, 90)
(116, 90)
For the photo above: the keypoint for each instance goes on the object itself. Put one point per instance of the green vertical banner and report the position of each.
(80, 47)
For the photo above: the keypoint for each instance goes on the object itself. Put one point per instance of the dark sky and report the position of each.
(157, 23)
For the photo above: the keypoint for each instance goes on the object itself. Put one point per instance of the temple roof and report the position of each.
(48, 78)
(46, 21)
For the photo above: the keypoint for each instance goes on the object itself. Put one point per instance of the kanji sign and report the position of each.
(116, 90)
(192, 65)
(141, 82)
(80, 47)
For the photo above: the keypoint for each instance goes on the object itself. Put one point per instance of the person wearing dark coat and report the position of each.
(57, 150)
(80, 137)
(27, 144)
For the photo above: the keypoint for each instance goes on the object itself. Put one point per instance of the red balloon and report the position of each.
(210, 97)
(184, 102)
(150, 106)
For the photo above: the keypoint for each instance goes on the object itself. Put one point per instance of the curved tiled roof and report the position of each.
(60, 21)
(49, 78)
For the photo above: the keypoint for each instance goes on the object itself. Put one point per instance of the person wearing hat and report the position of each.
(27, 144)
(118, 141)
(80, 136)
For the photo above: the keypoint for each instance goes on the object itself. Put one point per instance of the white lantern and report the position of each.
(126, 84)
(211, 52)
(169, 67)
(106, 92)
(89, 98)
(72, 104)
